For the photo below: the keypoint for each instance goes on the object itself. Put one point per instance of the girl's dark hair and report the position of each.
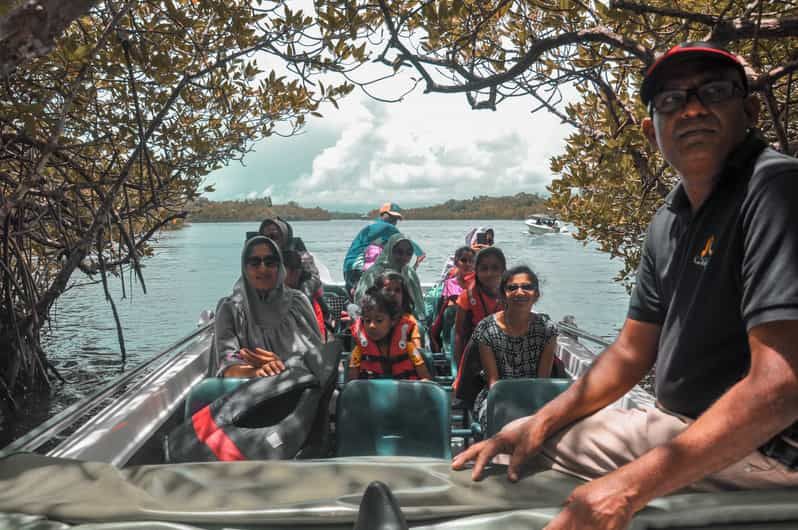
(518, 269)
(482, 254)
(460, 251)
(407, 300)
(375, 299)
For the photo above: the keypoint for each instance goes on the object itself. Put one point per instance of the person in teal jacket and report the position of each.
(379, 231)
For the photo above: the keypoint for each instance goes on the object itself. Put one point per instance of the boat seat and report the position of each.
(209, 390)
(386, 417)
(510, 399)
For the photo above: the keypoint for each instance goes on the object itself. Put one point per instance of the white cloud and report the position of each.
(428, 149)
(423, 150)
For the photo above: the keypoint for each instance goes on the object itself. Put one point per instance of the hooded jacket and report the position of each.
(386, 262)
(282, 322)
(309, 281)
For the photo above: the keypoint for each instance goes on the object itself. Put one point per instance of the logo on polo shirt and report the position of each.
(702, 258)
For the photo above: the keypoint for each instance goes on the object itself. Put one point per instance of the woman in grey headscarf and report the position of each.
(396, 256)
(263, 323)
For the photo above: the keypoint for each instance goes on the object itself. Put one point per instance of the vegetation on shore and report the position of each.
(510, 207)
(206, 211)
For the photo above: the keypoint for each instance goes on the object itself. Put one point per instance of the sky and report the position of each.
(421, 151)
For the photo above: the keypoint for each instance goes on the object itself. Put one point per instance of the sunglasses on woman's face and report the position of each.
(513, 287)
(269, 262)
(400, 252)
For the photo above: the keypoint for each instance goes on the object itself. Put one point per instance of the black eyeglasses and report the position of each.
(669, 101)
(513, 287)
(268, 261)
(400, 252)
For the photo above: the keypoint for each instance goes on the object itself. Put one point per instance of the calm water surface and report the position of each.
(197, 265)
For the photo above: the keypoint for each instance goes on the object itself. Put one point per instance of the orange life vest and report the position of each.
(398, 364)
(480, 308)
(317, 311)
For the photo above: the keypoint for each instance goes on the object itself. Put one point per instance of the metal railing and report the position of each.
(42, 434)
(573, 330)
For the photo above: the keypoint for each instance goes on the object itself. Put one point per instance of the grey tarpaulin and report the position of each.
(326, 494)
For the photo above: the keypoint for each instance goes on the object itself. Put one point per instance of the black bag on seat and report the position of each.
(277, 417)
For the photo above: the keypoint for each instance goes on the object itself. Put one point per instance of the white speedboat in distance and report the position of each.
(542, 224)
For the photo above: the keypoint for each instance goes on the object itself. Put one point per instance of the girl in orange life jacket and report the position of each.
(383, 347)
(394, 287)
(481, 298)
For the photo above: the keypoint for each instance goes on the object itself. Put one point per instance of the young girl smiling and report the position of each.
(384, 349)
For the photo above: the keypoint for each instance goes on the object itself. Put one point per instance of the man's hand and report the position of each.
(521, 439)
(419, 259)
(603, 504)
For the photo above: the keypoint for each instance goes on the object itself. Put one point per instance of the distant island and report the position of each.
(516, 206)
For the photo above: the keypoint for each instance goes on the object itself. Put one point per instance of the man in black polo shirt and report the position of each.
(715, 307)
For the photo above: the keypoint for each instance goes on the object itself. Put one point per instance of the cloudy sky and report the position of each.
(424, 150)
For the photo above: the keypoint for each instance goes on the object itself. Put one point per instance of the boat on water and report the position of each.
(102, 461)
(542, 224)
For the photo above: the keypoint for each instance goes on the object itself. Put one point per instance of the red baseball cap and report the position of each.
(392, 209)
(688, 51)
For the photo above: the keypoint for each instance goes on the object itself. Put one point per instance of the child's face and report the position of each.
(292, 277)
(465, 264)
(489, 271)
(393, 289)
(376, 324)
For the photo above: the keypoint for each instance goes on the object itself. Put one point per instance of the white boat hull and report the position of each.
(536, 229)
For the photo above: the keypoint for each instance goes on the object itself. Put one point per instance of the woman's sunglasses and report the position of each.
(268, 261)
(513, 287)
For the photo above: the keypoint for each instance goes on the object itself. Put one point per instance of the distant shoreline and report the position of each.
(515, 207)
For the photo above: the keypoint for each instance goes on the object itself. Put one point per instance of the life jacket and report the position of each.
(277, 417)
(398, 364)
(319, 313)
(479, 307)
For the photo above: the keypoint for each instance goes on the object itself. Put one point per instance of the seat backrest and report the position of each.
(510, 399)
(386, 417)
(209, 390)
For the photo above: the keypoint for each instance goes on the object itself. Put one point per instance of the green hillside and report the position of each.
(484, 207)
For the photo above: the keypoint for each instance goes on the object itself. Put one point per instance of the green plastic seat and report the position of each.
(386, 417)
(208, 391)
(510, 399)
